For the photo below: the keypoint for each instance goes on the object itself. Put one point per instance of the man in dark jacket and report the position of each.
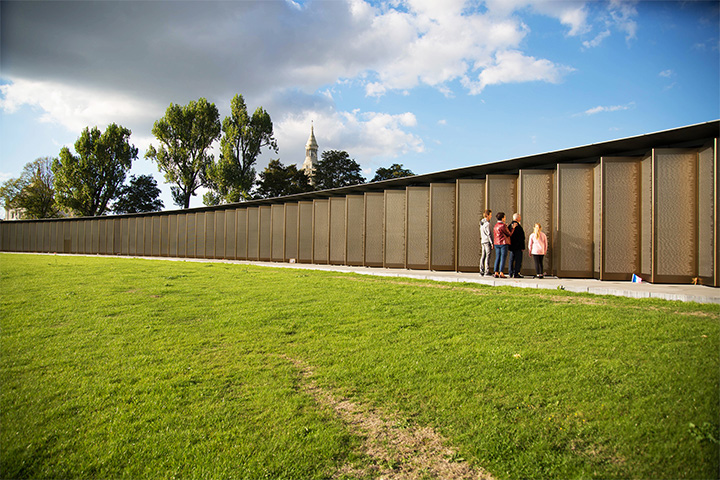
(517, 245)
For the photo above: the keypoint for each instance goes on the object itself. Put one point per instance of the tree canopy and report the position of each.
(33, 192)
(395, 170)
(336, 169)
(185, 134)
(139, 195)
(85, 183)
(244, 136)
(277, 180)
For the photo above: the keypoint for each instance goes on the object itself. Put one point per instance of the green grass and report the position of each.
(113, 368)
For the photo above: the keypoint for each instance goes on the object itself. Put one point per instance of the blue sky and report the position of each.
(432, 85)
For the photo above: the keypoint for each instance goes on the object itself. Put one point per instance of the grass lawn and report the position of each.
(125, 368)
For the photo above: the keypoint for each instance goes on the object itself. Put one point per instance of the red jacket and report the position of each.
(501, 234)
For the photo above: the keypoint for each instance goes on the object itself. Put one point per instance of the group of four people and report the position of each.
(504, 238)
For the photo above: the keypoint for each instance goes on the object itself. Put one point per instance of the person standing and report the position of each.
(537, 248)
(501, 235)
(517, 245)
(486, 243)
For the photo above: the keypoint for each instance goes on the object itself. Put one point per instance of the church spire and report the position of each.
(311, 149)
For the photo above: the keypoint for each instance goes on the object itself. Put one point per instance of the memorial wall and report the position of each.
(645, 205)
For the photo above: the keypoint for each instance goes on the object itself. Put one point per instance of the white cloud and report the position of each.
(73, 107)
(512, 66)
(612, 108)
(666, 73)
(595, 42)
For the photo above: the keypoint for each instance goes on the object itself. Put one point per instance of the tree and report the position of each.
(337, 169)
(233, 176)
(33, 192)
(395, 170)
(278, 180)
(185, 134)
(140, 195)
(85, 183)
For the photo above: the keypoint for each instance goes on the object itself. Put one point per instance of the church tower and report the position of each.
(311, 149)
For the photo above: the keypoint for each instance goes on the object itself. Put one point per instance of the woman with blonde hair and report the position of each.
(537, 248)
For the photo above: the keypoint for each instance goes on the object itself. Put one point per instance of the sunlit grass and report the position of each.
(146, 368)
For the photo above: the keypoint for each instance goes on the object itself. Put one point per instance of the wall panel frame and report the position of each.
(707, 214)
(230, 234)
(338, 231)
(291, 232)
(181, 235)
(535, 205)
(305, 232)
(156, 235)
(575, 220)
(242, 234)
(277, 235)
(253, 236)
(321, 231)
(395, 218)
(374, 228)
(190, 236)
(417, 253)
(470, 207)
(265, 227)
(219, 235)
(621, 207)
(675, 199)
(355, 232)
(442, 226)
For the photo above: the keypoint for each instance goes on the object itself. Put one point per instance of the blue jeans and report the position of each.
(500, 254)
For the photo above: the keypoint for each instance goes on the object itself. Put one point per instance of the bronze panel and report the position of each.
(355, 229)
(230, 234)
(418, 228)
(278, 232)
(374, 228)
(45, 236)
(164, 235)
(646, 215)
(148, 238)
(94, 236)
(215, 246)
(132, 236)
(442, 226)
(395, 216)
(102, 236)
(190, 250)
(174, 233)
(321, 231)
(535, 199)
(253, 214)
(291, 232)
(575, 203)
(85, 232)
(28, 236)
(242, 233)
(219, 235)
(125, 233)
(55, 237)
(156, 235)
(337, 230)
(305, 232)
(208, 235)
(621, 217)
(265, 233)
(706, 214)
(470, 207)
(675, 229)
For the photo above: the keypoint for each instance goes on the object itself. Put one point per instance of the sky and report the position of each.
(432, 85)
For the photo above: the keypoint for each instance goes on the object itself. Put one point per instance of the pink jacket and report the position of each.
(537, 246)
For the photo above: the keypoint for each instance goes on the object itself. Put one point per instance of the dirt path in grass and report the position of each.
(393, 449)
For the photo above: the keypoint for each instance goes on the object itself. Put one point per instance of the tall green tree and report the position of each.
(395, 170)
(141, 194)
(185, 134)
(336, 169)
(85, 183)
(277, 180)
(33, 192)
(244, 136)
